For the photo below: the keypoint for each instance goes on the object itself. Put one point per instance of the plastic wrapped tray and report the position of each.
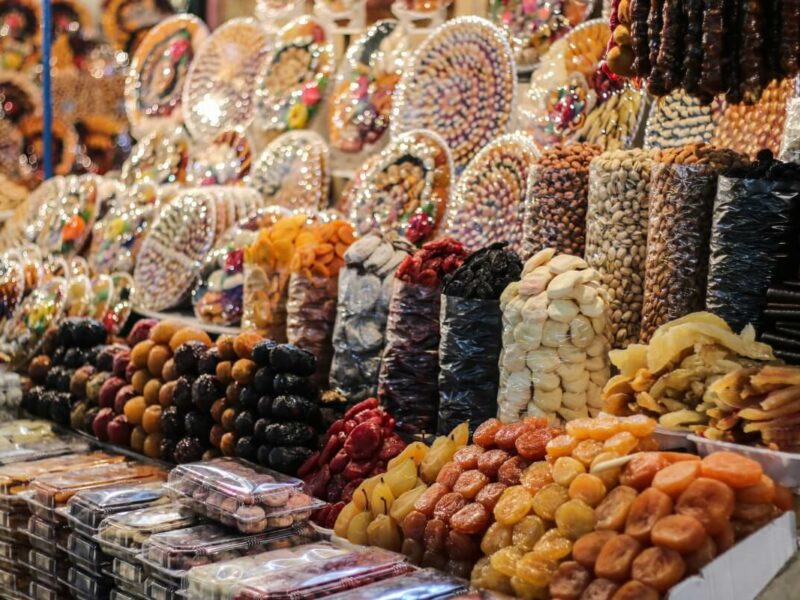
(252, 499)
(216, 581)
(10, 552)
(86, 509)
(14, 524)
(131, 573)
(122, 535)
(155, 589)
(45, 448)
(84, 584)
(85, 552)
(54, 490)
(45, 564)
(25, 430)
(42, 591)
(51, 532)
(174, 552)
(325, 577)
(426, 584)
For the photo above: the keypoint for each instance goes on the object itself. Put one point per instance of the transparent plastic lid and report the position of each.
(155, 589)
(250, 498)
(48, 530)
(118, 594)
(128, 572)
(217, 580)
(24, 430)
(86, 509)
(325, 577)
(87, 584)
(174, 552)
(37, 450)
(122, 535)
(425, 584)
(85, 552)
(55, 489)
(47, 564)
(14, 478)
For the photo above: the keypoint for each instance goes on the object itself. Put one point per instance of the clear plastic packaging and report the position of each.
(52, 533)
(119, 594)
(22, 431)
(46, 564)
(123, 535)
(86, 585)
(325, 577)
(365, 290)
(616, 235)
(790, 142)
(678, 119)
(554, 362)
(14, 524)
(85, 552)
(216, 581)
(118, 236)
(32, 451)
(131, 573)
(425, 584)
(53, 490)
(42, 591)
(252, 499)
(173, 553)
(87, 509)
(12, 286)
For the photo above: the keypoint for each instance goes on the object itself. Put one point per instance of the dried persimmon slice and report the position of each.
(682, 533)
(709, 501)
(732, 469)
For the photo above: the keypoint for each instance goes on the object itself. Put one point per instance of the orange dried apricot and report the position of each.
(709, 501)
(658, 568)
(763, 491)
(569, 580)
(587, 450)
(613, 511)
(650, 506)
(732, 469)
(680, 532)
(673, 457)
(561, 445)
(634, 590)
(588, 547)
(565, 469)
(675, 478)
(641, 469)
(616, 557)
(753, 513)
(725, 538)
(622, 443)
(589, 488)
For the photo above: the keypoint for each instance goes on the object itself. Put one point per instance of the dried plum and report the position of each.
(289, 434)
(166, 449)
(205, 390)
(187, 357)
(246, 448)
(292, 407)
(182, 394)
(259, 430)
(289, 383)
(248, 399)
(485, 273)
(58, 356)
(197, 424)
(60, 408)
(89, 332)
(262, 455)
(188, 450)
(261, 352)
(262, 380)
(208, 362)
(244, 423)
(288, 459)
(74, 358)
(171, 422)
(31, 397)
(288, 358)
(265, 406)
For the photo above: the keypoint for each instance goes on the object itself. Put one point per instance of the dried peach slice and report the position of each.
(763, 491)
(733, 469)
(588, 547)
(709, 501)
(613, 511)
(680, 532)
(646, 510)
(641, 469)
(658, 568)
(675, 478)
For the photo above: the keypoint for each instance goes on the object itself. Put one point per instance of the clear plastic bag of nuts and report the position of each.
(682, 190)
(554, 361)
(616, 235)
(555, 214)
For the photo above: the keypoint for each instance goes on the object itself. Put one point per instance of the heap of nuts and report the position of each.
(554, 361)
(683, 188)
(555, 216)
(616, 235)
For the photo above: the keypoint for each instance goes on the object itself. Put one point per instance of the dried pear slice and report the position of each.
(630, 360)
(680, 419)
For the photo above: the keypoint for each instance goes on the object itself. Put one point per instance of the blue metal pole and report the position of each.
(47, 94)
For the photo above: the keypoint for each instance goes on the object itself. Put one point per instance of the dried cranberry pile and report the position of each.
(429, 265)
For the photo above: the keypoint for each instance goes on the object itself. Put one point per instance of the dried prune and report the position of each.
(569, 580)
(496, 537)
(448, 475)
(513, 505)
(511, 471)
(548, 499)
(709, 501)
(658, 568)
(469, 483)
(588, 547)
(680, 532)
(490, 494)
(467, 457)
(448, 505)
(427, 502)
(733, 469)
(527, 531)
(641, 470)
(490, 462)
(435, 536)
(289, 434)
(613, 511)
(646, 510)
(471, 519)
(575, 518)
(616, 558)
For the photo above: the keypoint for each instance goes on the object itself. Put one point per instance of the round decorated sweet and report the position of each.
(225, 160)
(20, 96)
(404, 189)
(218, 296)
(21, 33)
(219, 92)
(569, 84)
(292, 82)
(75, 213)
(127, 22)
(12, 286)
(117, 237)
(65, 141)
(489, 199)
(173, 250)
(460, 83)
(154, 87)
(121, 307)
(102, 296)
(23, 332)
(159, 158)
(293, 171)
(232, 204)
(361, 98)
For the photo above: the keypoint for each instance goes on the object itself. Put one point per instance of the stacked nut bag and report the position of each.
(314, 288)
(408, 383)
(365, 289)
(554, 361)
(469, 346)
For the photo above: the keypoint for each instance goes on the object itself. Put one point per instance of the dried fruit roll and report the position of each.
(666, 73)
(640, 9)
(752, 58)
(730, 64)
(693, 59)
(790, 36)
(772, 37)
(710, 71)
(654, 25)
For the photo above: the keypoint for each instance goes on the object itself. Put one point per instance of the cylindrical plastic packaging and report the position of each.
(469, 350)
(408, 382)
(616, 236)
(365, 290)
(555, 216)
(750, 239)
(310, 315)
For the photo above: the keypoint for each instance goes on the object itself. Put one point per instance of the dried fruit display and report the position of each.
(408, 380)
(553, 362)
(678, 119)
(355, 448)
(365, 289)
(669, 378)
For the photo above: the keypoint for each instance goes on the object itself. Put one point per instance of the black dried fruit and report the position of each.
(205, 390)
(58, 356)
(189, 450)
(64, 378)
(246, 448)
(51, 379)
(182, 394)
(105, 359)
(262, 380)
(73, 358)
(187, 357)
(295, 408)
(244, 423)
(88, 418)
(208, 361)
(60, 409)
(166, 450)
(288, 383)
(30, 399)
(171, 422)
(89, 332)
(265, 406)
(484, 274)
(288, 358)
(262, 455)
(290, 434)
(66, 332)
(288, 459)
(260, 430)
(261, 352)
(197, 424)
(248, 399)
